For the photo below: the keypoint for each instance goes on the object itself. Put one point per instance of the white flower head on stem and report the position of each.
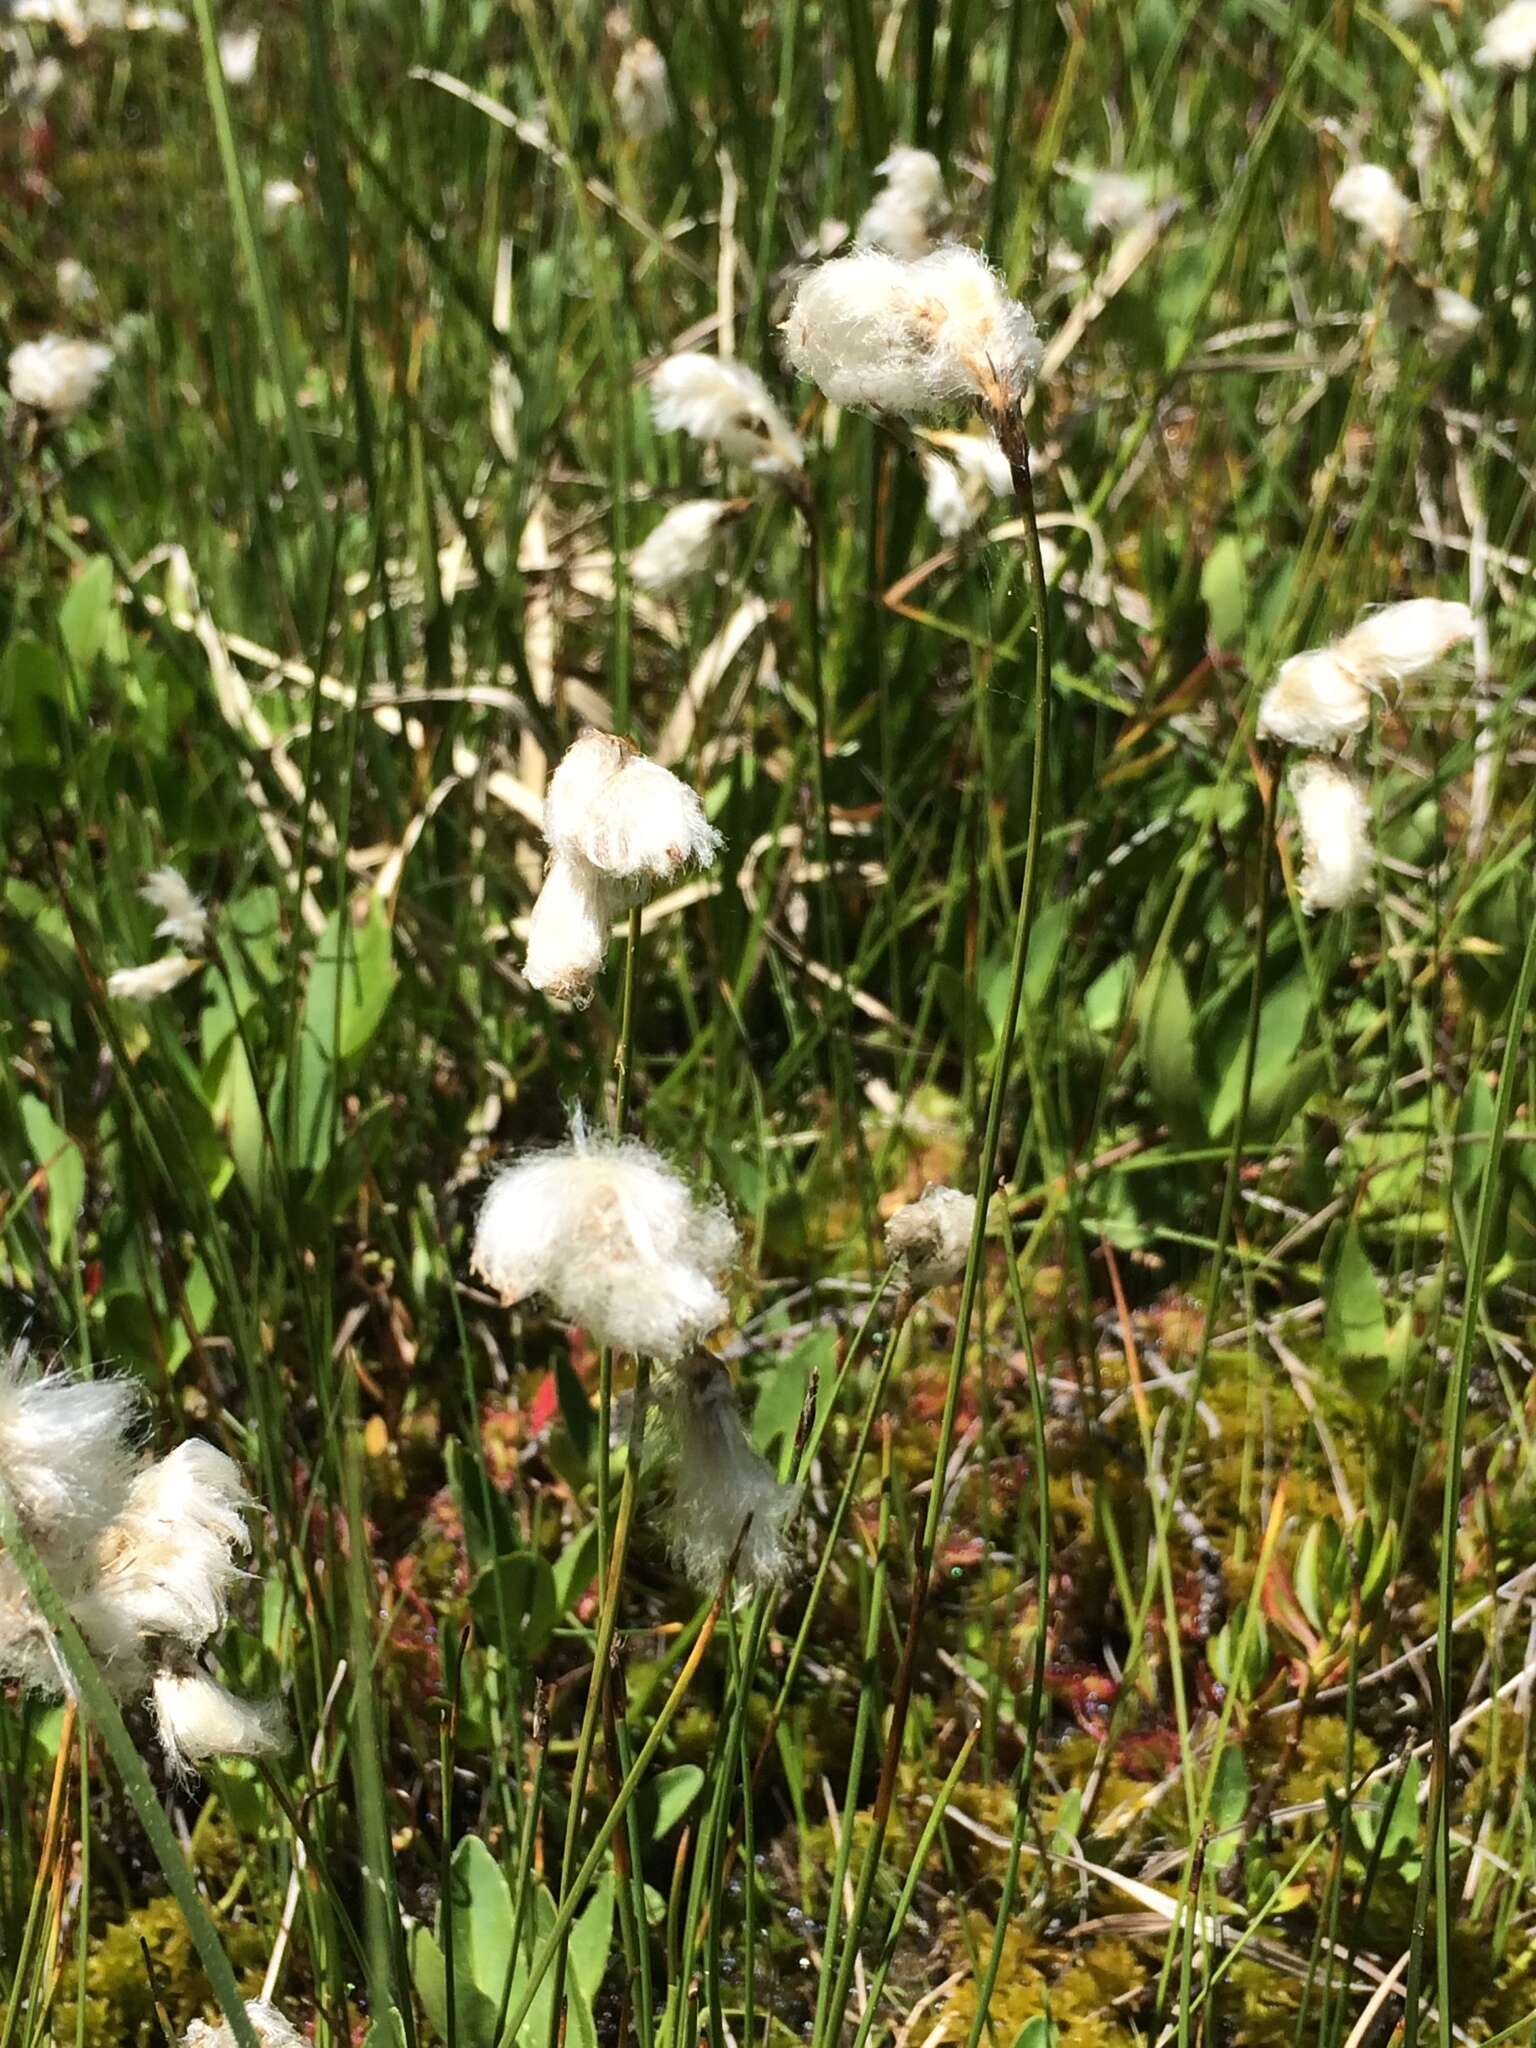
(76, 286)
(155, 979)
(682, 546)
(183, 916)
(238, 50)
(912, 338)
(721, 1485)
(278, 197)
(167, 1565)
(630, 819)
(908, 211)
(1509, 40)
(569, 927)
(1456, 319)
(267, 2024)
(727, 406)
(58, 375)
(65, 1458)
(1117, 200)
(1315, 701)
(641, 97)
(932, 1236)
(1368, 196)
(1335, 824)
(1403, 640)
(613, 1239)
(198, 1719)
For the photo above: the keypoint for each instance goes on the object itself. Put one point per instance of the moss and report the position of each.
(119, 1998)
(1091, 1991)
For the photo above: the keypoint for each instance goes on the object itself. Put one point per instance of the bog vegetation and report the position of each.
(767, 1205)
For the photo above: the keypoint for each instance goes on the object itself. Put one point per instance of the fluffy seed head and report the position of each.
(156, 978)
(196, 1718)
(182, 915)
(630, 819)
(58, 375)
(65, 1458)
(1367, 195)
(75, 284)
(166, 1566)
(568, 929)
(1456, 319)
(910, 208)
(641, 98)
(729, 406)
(1335, 835)
(681, 546)
(932, 1236)
(238, 51)
(911, 338)
(613, 1239)
(267, 2023)
(1117, 200)
(1402, 640)
(1509, 40)
(948, 504)
(278, 195)
(1316, 700)
(721, 1484)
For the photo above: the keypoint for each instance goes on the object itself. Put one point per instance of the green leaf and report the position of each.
(58, 1159)
(514, 1605)
(388, 2032)
(350, 984)
(88, 611)
(1229, 1802)
(1224, 586)
(1166, 1029)
(667, 1798)
(33, 692)
(1355, 1321)
(782, 1390)
(1281, 1080)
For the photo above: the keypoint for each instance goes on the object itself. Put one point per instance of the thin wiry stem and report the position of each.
(1009, 429)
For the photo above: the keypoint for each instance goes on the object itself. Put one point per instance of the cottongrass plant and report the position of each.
(1335, 818)
(1322, 698)
(617, 826)
(683, 545)
(1370, 199)
(931, 1237)
(613, 1239)
(58, 375)
(267, 2024)
(909, 212)
(642, 99)
(1509, 40)
(726, 406)
(723, 1492)
(144, 1560)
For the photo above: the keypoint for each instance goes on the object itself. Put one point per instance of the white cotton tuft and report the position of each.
(613, 1239)
(982, 463)
(681, 547)
(1335, 824)
(932, 1236)
(58, 375)
(630, 819)
(28, 1656)
(267, 2024)
(183, 916)
(721, 1485)
(278, 197)
(197, 1719)
(75, 284)
(156, 978)
(568, 929)
(65, 1458)
(1368, 196)
(641, 97)
(948, 505)
(1509, 40)
(166, 1567)
(728, 406)
(1403, 640)
(911, 338)
(1456, 319)
(1117, 200)
(1315, 701)
(238, 50)
(910, 208)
